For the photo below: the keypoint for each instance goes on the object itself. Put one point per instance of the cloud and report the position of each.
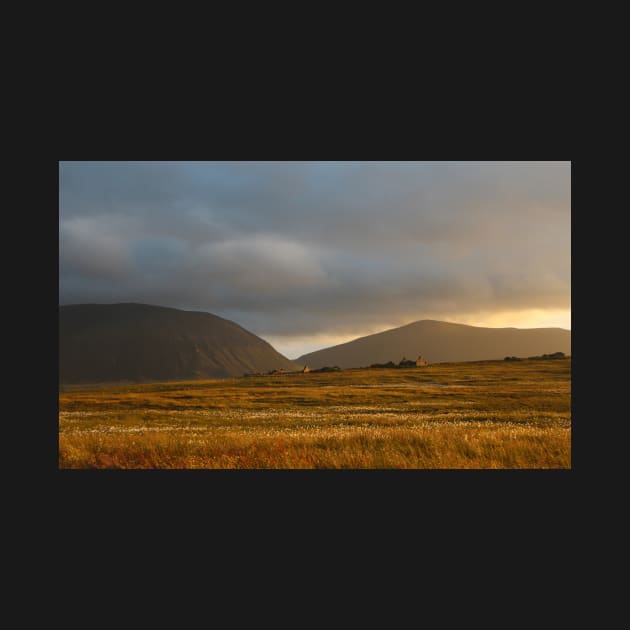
(92, 246)
(318, 249)
(260, 265)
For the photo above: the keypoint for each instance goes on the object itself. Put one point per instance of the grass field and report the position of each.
(490, 414)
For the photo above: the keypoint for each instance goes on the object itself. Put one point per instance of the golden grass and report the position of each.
(467, 415)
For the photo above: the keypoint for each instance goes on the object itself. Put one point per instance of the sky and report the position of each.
(311, 254)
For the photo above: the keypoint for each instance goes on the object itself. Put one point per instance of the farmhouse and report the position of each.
(419, 362)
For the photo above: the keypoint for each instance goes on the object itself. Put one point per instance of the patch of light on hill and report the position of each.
(293, 347)
(531, 318)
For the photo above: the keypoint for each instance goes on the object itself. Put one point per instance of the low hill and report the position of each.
(441, 342)
(139, 342)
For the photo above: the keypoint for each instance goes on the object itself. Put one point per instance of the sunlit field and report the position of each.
(489, 414)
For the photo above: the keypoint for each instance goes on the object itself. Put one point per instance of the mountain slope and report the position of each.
(138, 342)
(441, 342)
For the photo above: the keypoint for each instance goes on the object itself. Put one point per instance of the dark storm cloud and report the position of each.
(305, 248)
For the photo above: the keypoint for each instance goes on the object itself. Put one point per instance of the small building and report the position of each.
(405, 362)
(421, 361)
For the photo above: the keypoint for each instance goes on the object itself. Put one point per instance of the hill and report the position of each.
(441, 342)
(139, 342)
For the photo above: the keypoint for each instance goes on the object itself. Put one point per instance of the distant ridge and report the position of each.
(140, 342)
(441, 342)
